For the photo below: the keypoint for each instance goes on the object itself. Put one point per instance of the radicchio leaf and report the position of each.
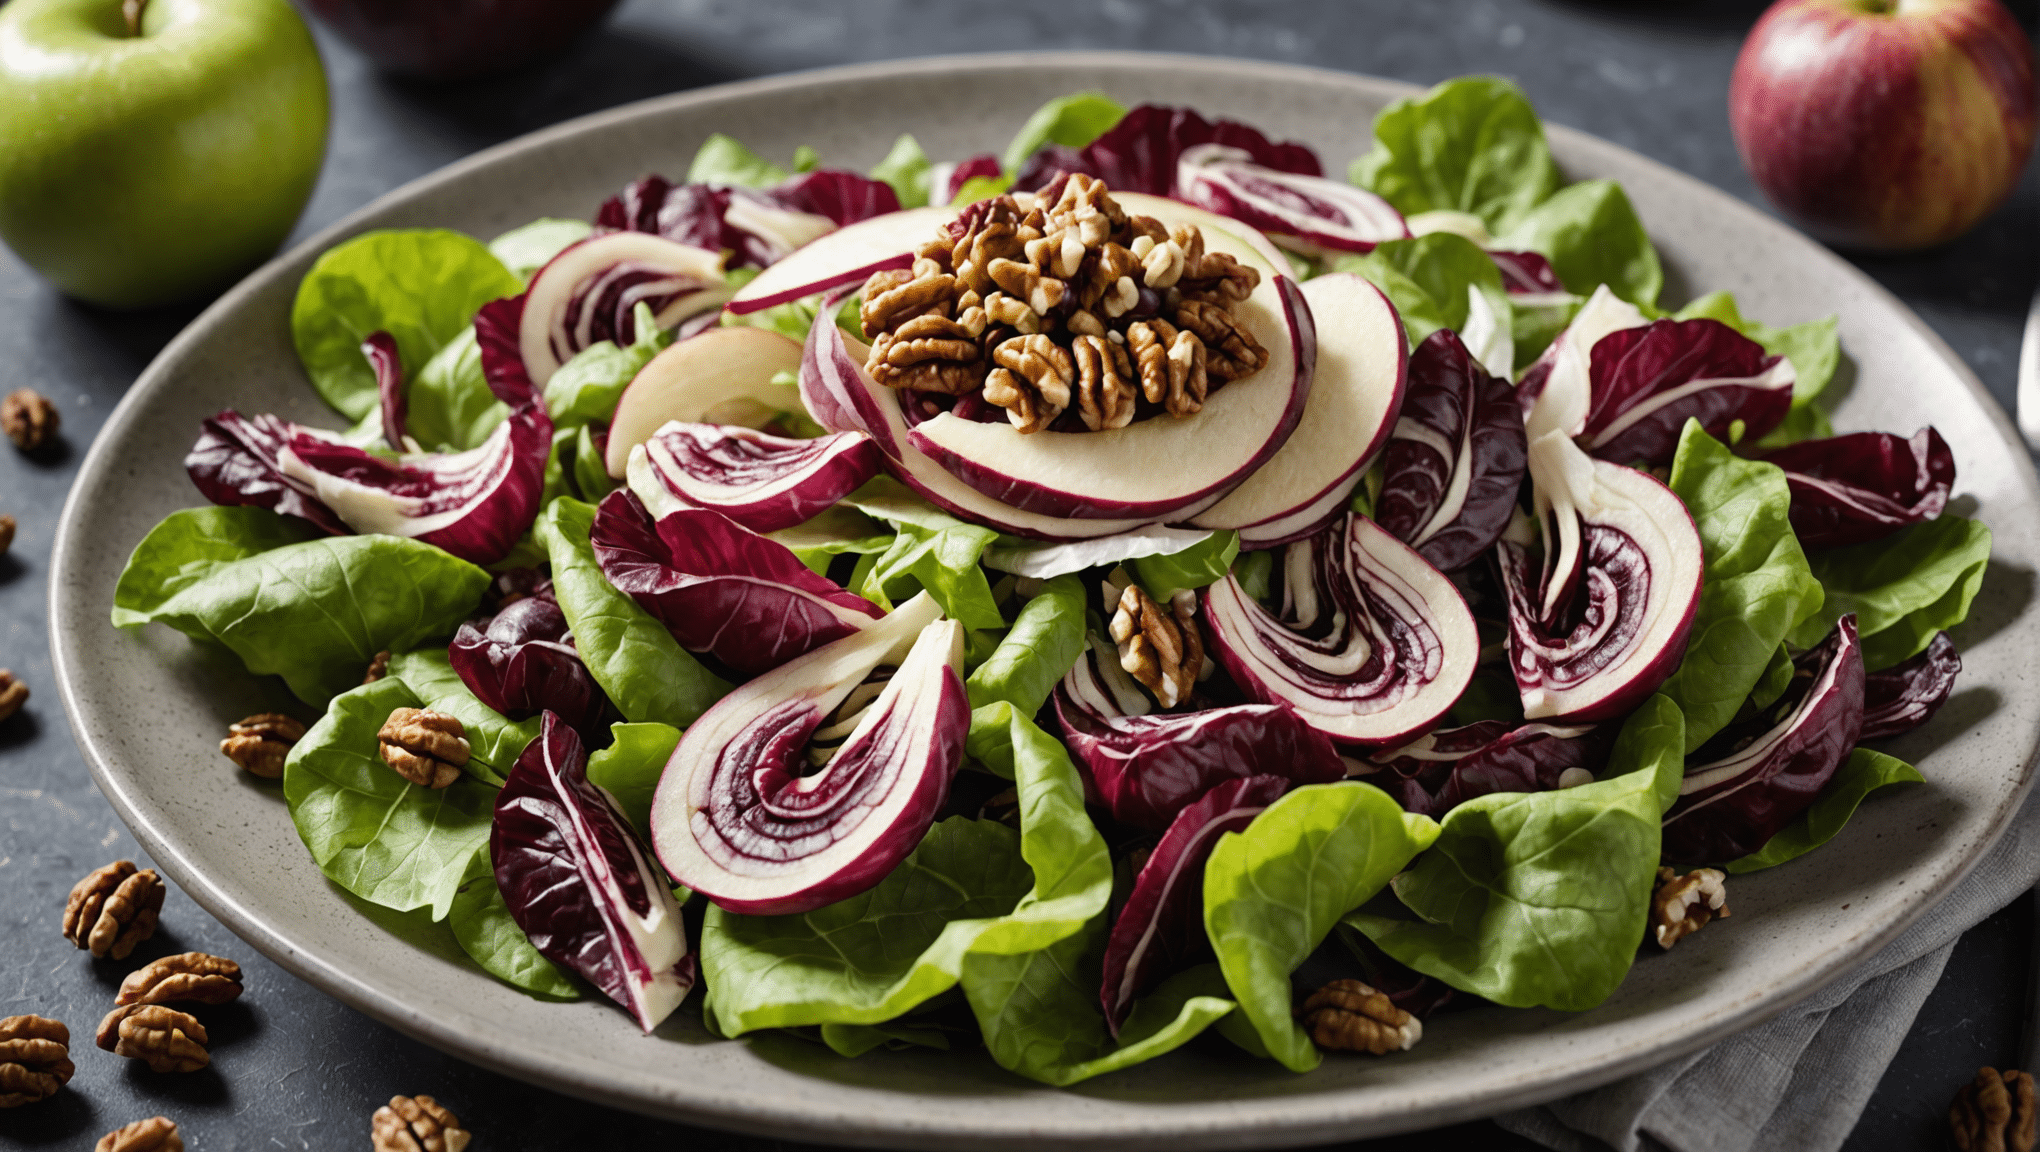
(720, 589)
(580, 883)
(1145, 768)
(1160, 930)
(761, 481)
(235, 463)
(1406, 988)
(1455, 463)
(1904, 696)
(522, 661)
(946, 181)
(590, 292)
(1647, 382)
(383, 358)
(1441, 770)
(1308, 213)
(1754, 778)
(757, 225)
(1527, 274)
(1865, 485)
(842, 196)
(1371, 647)
(1139, 153)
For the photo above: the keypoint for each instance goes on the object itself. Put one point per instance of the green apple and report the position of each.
(152, 154)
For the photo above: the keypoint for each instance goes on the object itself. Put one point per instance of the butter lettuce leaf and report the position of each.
(1592, 236)
(1902, 588)
(1865, 771)
(1473, 144)
(1046, 639)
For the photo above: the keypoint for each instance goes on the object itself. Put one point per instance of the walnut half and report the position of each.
(113, 909)
(425, 747)
(417, 1124)
(13, 693)
(1162, 649)
(1993, 1113)
(186, 978)
(262, 742)
(1354, 1017)
(1682, 905)
(156, 1134)
(35, 1059)
(163, 1038)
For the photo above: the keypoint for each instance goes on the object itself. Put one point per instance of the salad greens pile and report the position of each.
(1493, 853)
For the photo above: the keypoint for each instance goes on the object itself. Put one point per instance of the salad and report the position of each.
(1071, 600)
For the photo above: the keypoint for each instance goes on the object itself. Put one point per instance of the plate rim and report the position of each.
(1321, 1118)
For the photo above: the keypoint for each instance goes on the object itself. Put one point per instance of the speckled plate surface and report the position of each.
(148, 708)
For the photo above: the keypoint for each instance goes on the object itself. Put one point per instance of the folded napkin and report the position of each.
(1801, 1080)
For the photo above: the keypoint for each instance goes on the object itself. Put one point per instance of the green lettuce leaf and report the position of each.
(1865, 771)
(1540, 899)
(722, 160)
(981, 188)
(1902, 588)
(314, 612)
(931, 550)
(1776, 677)
(841, 530)
(1591, 234)
(1203, 563)
(422, 286)
(525, 250)
(586, 388)
(494, 741)
(1273, 892)
(1073, 121)
(1472, 144)
(189, 546)
(629, 769)
(805, 158)
(591, 469)
(481, 923)
(371, 831)
(1813, 347)
(645, 672)
(908, 170)
(854, 1040)
(1427, 279)
(1043, 645)
(1757, 586)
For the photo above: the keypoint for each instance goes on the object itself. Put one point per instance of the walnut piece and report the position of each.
(1682, 905)
(1105, 389)
(13, 693)
(114, 909)
(35, 1059)
(417, 1124)
(1162, 650)
(163, 1038)
(380, 666)
(425, 747)
(1993, 1113)
(6, 533)
(929, 353)
(262, 742)
(1354, 1017)
(1032, 381)
(156, 1134)
(186, 978)
(1172, 365)
(1233, 353)
(28, 418)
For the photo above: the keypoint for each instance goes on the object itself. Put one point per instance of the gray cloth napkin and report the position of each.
(1801, 1080)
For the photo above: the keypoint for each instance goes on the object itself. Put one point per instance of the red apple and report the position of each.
(458, 39)
(1884, 124)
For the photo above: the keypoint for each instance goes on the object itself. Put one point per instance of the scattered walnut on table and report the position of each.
(1162, 650)
(417, 1124)
(262, 742)
(1354, 1017)
(35, 1059)
(28, 419)
(186, 978)
(13, 693)
(113, 909)
(156, 1134)
(163, 1038)
(1993, 1113)
(6, 533)
(425, 747)
(1682, 905)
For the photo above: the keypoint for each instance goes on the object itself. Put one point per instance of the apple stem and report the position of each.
(132, 11)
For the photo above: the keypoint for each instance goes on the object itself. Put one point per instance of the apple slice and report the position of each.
(848, 255)
(722, 376)
(1355, 395)
(586, 294)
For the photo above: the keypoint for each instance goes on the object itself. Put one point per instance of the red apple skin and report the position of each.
(1884, 124)
(458, 39)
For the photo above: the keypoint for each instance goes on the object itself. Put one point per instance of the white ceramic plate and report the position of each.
(148, 708)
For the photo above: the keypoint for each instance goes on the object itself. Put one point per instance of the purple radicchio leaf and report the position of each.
(947, 180)
(1308, 213)
(719, 588)
(841, 195)
(589, 292)
(1145, 768)
(235, 462)
(761, 481)
(1527, 274)
(757, 226)
(1752, 779)
(1865, 485)
(1904, 696)
(1139, 153)
(580, 883)
(1408, 989)
(1455, 463)
(1441, 770)
(522, 661)
(381, 351)
(1160, 929)
(1647, 382)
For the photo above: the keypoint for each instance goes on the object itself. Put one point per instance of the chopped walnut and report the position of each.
(35, 1059)
(1993, 1113)
(28, 419)
(163, 1038)
(417, 1124)
(380, 666)
(1354, 1017)
(425, 747)
(113, 909)
(6, 533)
(1162, 650)
(1682, 905)
(1105, 390)
(262, 742)
(13, 693)
(156, 1134)
(1211, 277)
(186, 978)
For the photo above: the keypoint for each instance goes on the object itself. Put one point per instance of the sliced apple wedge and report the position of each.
(722, 376)
(1355, 395)
(848, 255)
(586, 294)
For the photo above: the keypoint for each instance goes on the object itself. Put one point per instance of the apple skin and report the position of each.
(1884, 124)
(141, 170)
(458, 39)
